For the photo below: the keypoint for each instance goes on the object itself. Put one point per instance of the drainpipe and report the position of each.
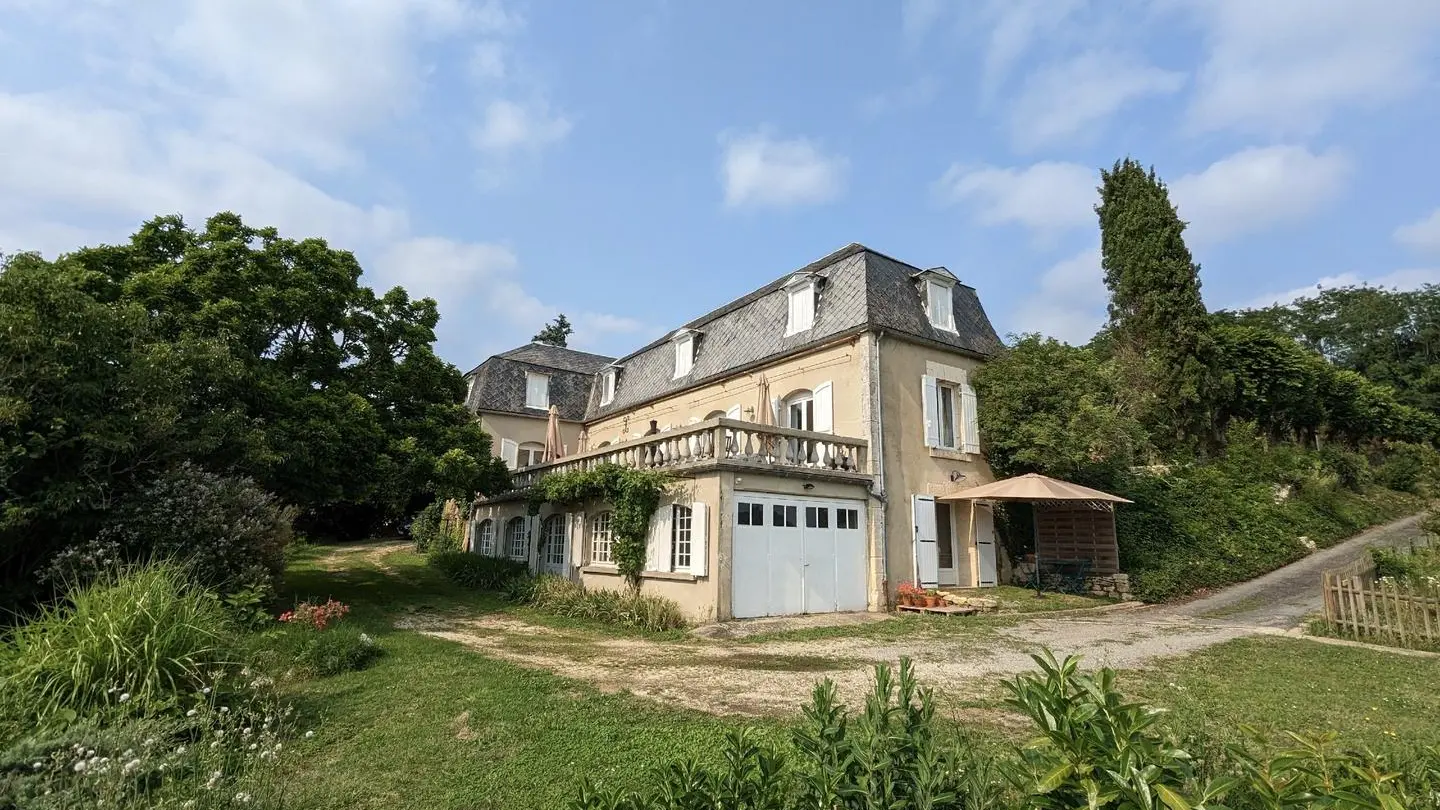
(877, 462)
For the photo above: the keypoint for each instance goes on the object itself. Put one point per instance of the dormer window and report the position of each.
(607, 386)
(537, 390)
(800, 315)
(684, 342)
(937, 285)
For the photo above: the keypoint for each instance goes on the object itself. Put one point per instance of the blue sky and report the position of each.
(634, 164)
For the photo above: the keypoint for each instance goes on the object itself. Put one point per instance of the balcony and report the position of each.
(723, 444)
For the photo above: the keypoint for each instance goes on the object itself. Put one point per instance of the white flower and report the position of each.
(242, 797)
(80, 766)
(206, 690)
(130, 766)
(124, 696)
(245, 732)
(180, 750)
(189, 803)
(224, 709)
(309, 734)
(192, 713)
(39, 765)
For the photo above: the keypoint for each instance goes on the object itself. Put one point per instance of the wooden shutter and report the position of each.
(735, 412)
(657, 548)
(969, 420)
(930, 398)
(699, 539)
(824, 404)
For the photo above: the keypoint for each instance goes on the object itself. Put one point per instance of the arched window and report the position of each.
(799, 410)
(517, 538)
(552, 541)
(714, 415)
(602, 541)
(485, 537)
(530, 454)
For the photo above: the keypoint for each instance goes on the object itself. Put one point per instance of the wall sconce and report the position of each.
(809, 487)
(956, 476)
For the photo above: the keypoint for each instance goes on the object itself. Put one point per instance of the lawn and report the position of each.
(437, 725)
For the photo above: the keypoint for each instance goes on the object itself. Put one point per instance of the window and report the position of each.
(607, 387)
(751, 514)
(817, 517)
(602, 542)
(517, 538)
(847, 519)
(944, 546)
(537, 390)
(800, 411)
(801, 314)
(470, 389)
(680, 538)
(684, 355)
(938, 306)
(552, 539)
(947, 415)
(785, 516)
(485, 537)
(529, 454)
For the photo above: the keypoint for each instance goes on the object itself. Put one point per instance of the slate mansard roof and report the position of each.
(859, 289)
(500, 381)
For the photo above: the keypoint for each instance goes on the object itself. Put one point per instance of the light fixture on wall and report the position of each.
(956, 476)
(809, 487)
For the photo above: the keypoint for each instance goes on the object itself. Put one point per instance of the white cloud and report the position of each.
(487, 61)
(915, 94)
(1046, 197)
(1423, 234)
(1070, 301)
(509, 125)
(1257, 188)
(1407, 279)
(1065, 99)
(762, 171)
(1286, 66)
(218, 106)
(918, 16)
(1014, 27)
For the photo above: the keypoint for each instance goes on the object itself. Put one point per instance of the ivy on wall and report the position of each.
(634, 495)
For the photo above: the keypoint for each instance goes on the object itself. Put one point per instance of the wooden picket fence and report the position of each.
(1360, 606)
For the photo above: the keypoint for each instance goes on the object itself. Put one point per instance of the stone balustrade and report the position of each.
(716, 442)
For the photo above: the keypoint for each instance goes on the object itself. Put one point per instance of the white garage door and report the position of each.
(797, 555)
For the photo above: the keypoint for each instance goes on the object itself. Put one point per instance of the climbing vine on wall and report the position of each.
(634, 495)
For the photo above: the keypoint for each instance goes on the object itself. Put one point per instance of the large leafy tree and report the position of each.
(238, 349)
(1052, 408)
(1159, 328)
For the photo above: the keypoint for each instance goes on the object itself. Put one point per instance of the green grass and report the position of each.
(1023, 600)
(433, 724)
(1277, 684)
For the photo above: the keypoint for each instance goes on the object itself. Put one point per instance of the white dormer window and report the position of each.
(684, 353)
(607, 386)
(938, 305)
(537, 390)
(801, 315)
(470, 389)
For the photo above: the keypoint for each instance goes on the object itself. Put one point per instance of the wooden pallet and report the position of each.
(943, 610)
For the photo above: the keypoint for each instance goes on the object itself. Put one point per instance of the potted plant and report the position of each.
(933, 599)
(908, 594)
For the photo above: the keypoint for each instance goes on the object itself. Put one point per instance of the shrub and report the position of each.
(1406, 468)
(1093, 749)
(624, 608)
(132, 642)
(478, 571)
(1352, 470)
(437, 529)
(229, 532)
(342, 649)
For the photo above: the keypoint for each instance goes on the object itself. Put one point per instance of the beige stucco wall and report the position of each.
(911, 468)
(839, 364)
(522, 429)
(696, 596)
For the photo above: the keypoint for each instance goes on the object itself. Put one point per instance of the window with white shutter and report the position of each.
(938, 305)
(801, 315)
(684, 355)
(607, 387)
(510, 453)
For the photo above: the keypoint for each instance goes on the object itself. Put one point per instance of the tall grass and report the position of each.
(133, 641)
(625, 608)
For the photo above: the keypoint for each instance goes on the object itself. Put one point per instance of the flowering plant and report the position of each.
(909, 589)
(317, 616)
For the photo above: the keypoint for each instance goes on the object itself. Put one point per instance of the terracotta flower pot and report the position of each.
(932, 601)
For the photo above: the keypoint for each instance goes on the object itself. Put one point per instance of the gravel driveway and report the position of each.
(963, 661)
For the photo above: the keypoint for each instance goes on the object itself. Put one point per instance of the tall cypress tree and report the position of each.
(1158, 321)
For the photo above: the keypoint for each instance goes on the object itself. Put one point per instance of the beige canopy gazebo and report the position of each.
(1071, 522)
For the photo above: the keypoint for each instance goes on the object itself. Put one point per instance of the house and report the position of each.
(811, 425)
(511, 393)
